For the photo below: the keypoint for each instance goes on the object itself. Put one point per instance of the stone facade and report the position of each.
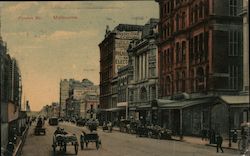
(143, 83)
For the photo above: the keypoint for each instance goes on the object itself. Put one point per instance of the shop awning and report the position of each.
(236, 101)
(143, 107)
(187, 103)
(115, 109)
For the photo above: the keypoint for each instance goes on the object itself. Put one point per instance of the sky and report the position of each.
(49, 48)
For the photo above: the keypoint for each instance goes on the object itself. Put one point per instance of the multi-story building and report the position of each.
(194, 37)
(10, 93)
(64, 94)
(4, 70)
(200, 62)
(143, 58)
(113, 55)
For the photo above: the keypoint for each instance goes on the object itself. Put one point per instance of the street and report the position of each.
(116, 144)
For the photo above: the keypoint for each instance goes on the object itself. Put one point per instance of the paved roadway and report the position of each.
(117, 144)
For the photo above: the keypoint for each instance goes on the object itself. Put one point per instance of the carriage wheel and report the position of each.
(64, 147)
(54, 149)
(159, 136)
(76, 148)
(82, 145)
(97, 144)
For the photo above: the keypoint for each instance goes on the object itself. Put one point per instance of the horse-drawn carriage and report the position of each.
(87, 138)
(39, 127)
(63, 139)
(92, 125)
(158, 132)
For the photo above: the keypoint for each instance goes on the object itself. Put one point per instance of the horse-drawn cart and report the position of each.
(38, 130)
(62, 140)
(90, 137)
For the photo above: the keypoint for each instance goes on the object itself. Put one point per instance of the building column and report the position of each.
(181, 133)
(139, 67)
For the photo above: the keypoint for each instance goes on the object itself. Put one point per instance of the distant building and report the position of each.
(64, 94)
(113, 55)
(77, 90)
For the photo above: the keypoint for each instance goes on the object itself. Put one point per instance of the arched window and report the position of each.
(143, 94)
(196, 13)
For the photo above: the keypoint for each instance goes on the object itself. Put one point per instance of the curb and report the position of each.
(213, 145)
(19, 147)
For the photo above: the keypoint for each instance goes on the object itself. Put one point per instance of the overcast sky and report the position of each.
(49, 48)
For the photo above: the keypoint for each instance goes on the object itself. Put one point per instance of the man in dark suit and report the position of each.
(219, 141)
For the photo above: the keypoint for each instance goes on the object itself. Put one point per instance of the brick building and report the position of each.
(200, 65)
(194, 37)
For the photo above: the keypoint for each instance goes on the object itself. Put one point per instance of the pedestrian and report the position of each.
(235, 136)
(203, 135)
(219, 141)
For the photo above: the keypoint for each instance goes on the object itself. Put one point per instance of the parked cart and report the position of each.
(90, 137)
(63, 139)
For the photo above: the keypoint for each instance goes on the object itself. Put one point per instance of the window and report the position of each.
(195, 47)
(206, 45)
(233, 8)
(168, 7)
(196, 13)
(191, 49)
(183, 52)
(201, 45)
(177, 81)
(234, 43)
(183, 22)
(165, 8)
(169, 56)
(168, 29)
(177, 50)
(168, 85)
(200, 78)
(201, 10)
(233, 72)
(183, 82)
(143, 94)
(177, 22)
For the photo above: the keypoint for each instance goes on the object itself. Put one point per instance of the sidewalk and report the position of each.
(20, 142)
(198, 141)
